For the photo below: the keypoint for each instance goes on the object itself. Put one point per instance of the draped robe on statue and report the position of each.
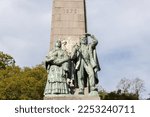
(57, 67)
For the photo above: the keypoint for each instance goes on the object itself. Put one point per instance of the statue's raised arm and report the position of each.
(94, 40)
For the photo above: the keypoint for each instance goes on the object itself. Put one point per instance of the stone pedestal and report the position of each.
(71, 97)
(75, 96)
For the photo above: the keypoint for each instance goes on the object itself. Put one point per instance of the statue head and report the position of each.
(58, 44)
(64, 42)
(83, 40)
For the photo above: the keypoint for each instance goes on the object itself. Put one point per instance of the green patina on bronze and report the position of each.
(86, 64)
(81, 66)
(57, 67)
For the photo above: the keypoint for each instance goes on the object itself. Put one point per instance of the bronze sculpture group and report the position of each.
(81, 67)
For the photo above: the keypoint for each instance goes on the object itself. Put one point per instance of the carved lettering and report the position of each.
(70, 10)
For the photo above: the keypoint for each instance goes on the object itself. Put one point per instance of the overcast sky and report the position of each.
(121, 26)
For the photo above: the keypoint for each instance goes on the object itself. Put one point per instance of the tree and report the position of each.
(126, 90)
(6, 60)
(135, 86)
(124, 85)
(22, 83)
(117, 95)
(10, 72)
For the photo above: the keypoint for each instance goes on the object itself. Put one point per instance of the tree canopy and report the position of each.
(6, 60)
(26, 83)
(20, 83)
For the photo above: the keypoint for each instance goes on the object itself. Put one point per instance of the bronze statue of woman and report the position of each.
(57, 66)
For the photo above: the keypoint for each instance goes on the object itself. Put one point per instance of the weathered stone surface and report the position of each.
(75, 96)
(68, 21)
(72, 97)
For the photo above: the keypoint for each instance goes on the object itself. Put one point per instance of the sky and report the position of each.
(121, 26)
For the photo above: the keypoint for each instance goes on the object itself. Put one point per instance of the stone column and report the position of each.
(68, 21)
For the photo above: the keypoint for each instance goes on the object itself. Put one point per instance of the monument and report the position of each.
(72, 62)
(68, 21)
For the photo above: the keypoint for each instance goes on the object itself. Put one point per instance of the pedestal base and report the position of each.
(71, 97)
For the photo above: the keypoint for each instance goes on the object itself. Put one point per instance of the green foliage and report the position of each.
(27, 83)
(20, 83)
(118, 96)
(6, 60)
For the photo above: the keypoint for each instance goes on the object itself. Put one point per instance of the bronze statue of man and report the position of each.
(86, 64)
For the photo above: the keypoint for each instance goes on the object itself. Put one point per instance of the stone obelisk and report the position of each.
(68, 21)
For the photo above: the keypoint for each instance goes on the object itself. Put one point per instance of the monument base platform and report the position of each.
(71, 97)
